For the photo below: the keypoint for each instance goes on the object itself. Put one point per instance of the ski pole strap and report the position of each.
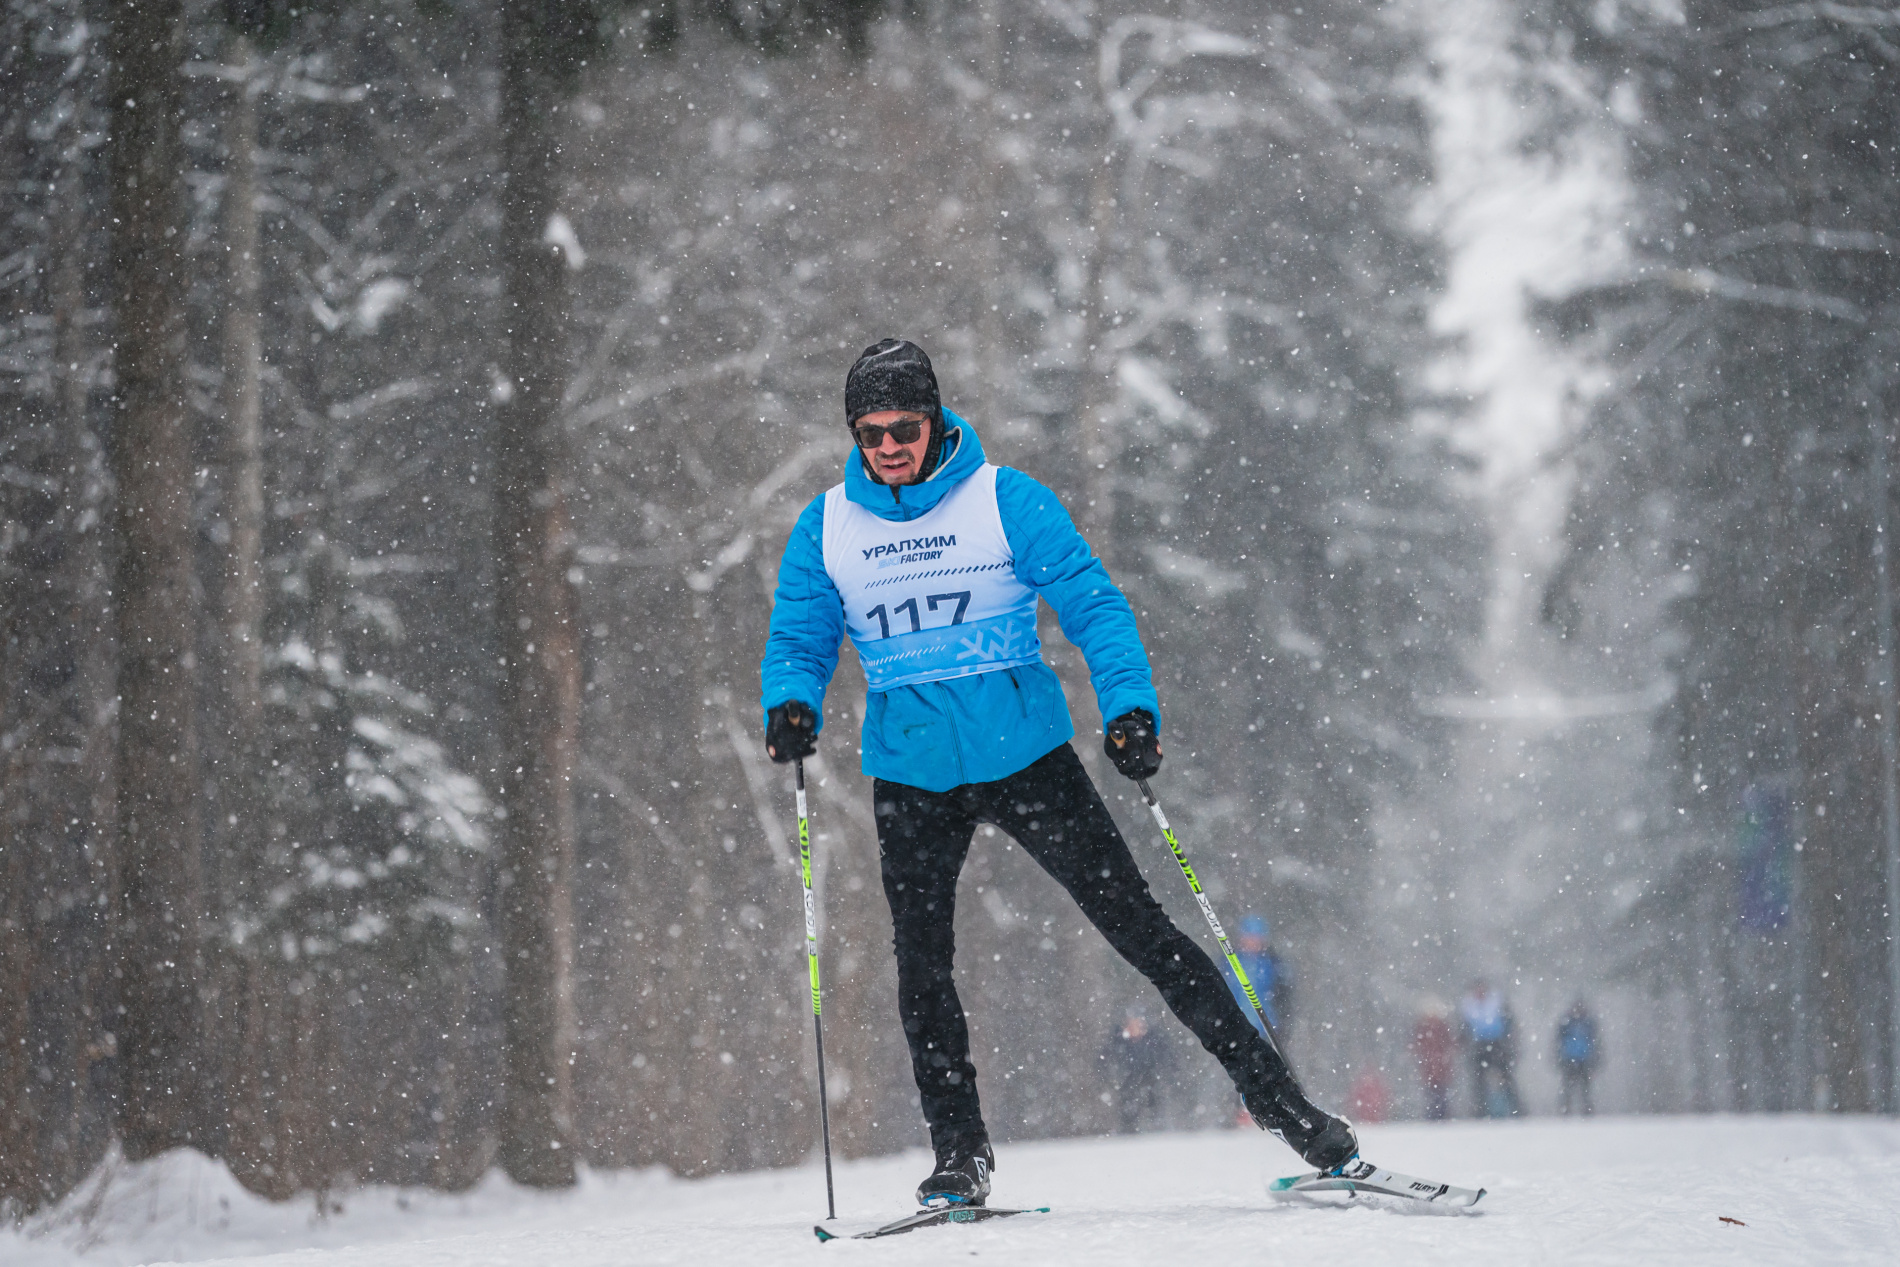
(811, 906)
(1207, 908)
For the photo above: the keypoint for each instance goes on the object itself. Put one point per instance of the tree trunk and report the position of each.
(257, 1072)
(56, 694)
(19, 1146)
(539, 635)
(158, 885)
(992, 363)
(1098, 444)
(1832, 861)
(236, 645)
(240, 448)
(88, 620)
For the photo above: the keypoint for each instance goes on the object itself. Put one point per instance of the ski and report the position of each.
(1357, 1177)
(928, 1218)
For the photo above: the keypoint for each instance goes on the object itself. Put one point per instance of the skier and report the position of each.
(1140, 1059)
(1370, 1099)
(1266, 972)
(1577, 1054)
(933, 561)
(1490, 1033)
(1433, 1044)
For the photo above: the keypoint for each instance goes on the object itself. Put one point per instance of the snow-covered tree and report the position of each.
(1732, 466)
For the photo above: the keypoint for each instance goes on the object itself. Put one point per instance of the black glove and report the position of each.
(791, 732)
(1131, 743)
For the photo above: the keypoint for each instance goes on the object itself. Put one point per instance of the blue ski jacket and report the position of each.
(986, 726)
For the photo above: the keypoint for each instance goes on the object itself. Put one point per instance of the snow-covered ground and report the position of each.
(1613, 1190)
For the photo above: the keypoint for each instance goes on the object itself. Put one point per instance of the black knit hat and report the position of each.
(892, 374)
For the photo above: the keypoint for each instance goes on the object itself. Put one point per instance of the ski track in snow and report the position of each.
(1612, 1190)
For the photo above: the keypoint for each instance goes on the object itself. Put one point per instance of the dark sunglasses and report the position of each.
(905, 432)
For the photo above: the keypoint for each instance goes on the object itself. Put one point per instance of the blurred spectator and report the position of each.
(1577, 1054)
(1490, 1034)
(1370, 1099)
(1434, 1045)
(1139, 1058)
(1266, 972)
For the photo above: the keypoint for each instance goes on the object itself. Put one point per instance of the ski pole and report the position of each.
(811, 955)
(1207, 909)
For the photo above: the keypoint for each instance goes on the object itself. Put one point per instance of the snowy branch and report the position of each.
(1845, 14)
(1803, 235)
(1865, 21)
(1702, 281)
(1707, 283)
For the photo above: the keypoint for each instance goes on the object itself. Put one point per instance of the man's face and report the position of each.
(891, 462)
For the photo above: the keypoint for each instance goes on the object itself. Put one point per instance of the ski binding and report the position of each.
(1362, 1177)
(928, 1218)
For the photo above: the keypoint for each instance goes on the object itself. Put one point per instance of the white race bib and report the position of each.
(933, 598)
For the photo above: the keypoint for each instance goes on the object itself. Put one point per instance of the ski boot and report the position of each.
(1325, 1142)
(962, 1176)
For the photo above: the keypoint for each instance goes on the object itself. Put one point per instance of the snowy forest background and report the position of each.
(1485, 407)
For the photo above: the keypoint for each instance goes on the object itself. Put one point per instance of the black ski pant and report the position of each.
(1577, 1087)
(1053, 811)
(1493, 1062)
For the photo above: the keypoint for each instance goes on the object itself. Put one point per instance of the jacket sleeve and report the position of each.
(801, 651)
(1054, 560)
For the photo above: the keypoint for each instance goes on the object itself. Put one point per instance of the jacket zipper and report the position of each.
(1021, 703)
(956, 741)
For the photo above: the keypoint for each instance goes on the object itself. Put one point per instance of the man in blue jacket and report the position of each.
(933, 561)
